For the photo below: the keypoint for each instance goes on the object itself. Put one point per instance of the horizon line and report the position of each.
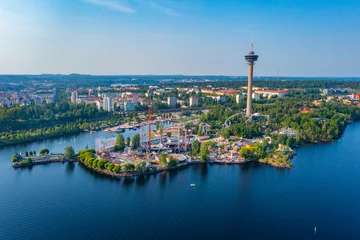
(169, 75)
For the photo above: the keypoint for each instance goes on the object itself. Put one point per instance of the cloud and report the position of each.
(111, 5)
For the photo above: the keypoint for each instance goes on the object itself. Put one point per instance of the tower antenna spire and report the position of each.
(251, 46)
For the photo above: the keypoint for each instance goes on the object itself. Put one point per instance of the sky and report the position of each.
(309, 38)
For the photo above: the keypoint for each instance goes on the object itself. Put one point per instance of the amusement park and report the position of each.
(156, 135)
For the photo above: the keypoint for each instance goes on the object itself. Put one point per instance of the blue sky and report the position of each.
(192, 37)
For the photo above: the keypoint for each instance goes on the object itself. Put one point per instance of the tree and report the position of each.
(69, 152)
(44, 151)
(195, 148)
(128, 140)
(225, 134)
(245, 153)
(168, 134)
(29, 161)
(120, 143)
(116, 169)
(204, 150)
(163, 158)
(136, 141)
(26, 154)
(127, 167)
(14, 158)
(34, 152)
(140, 166)
(101, 164)
(161, 130)
(110, 167)
(30, 153)
(173, 162)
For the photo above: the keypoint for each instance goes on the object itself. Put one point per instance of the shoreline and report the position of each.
(38, 139)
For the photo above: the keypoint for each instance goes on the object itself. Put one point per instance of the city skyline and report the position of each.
(136, 37)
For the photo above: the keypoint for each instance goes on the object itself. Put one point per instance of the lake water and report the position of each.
(65, 201)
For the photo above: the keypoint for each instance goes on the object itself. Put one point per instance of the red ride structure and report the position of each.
(182, 134)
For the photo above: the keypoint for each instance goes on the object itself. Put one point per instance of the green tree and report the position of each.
(101, 164)
(69, 152)
(173, 162)
(116, 169)
(44, 151)
(245, 153)
(14, 158)
(168, 134)
(26, 154)
(140, 166)
(29, 161)
(127, 167)
(136, 141)
(110, 167)
(120, 143)
(204, 150)
(195, 148)
(225, 133)
(128, 140)
(161, 130)
(163, 158)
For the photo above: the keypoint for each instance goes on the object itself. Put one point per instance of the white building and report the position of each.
(239, 98)
(129, 106)
(108, 104)
(194, 101)
(221, 99)
(99, 104)
(270, 93)
(74, 96)
(256, 96)
(172, 102)
(38, 100)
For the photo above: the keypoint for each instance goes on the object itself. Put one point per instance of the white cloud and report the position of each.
(111, 5)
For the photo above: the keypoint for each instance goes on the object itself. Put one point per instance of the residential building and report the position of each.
(108, 104)
(74, 96)
(38, 100)
(270, 93)
(256, 96)
(99, 103)
(221, 99)
(172, 102)
(239, 98)
(328, 91)
(194, 101)
(129, 106)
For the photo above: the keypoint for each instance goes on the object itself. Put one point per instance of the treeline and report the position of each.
(87, 157)
(275, 84)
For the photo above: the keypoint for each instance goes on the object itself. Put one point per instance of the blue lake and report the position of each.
(251, 201)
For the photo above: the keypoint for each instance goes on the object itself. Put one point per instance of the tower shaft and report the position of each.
(249, 88)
